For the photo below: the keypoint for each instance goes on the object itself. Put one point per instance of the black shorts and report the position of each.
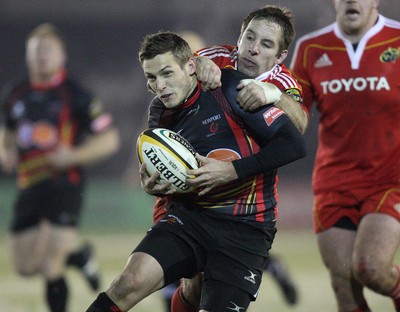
(57, 202)
(227, 250)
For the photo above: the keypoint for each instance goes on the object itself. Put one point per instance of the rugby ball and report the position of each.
(168, 153)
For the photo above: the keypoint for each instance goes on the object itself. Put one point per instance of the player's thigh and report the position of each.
(336, 248)
(29, 247)
(378, 235)
(141, 276)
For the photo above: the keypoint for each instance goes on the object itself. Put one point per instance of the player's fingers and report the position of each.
(142, 169)
(202, 159)
(205, 190)
(243, 99)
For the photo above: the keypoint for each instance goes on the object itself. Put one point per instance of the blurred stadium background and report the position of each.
(103, 37)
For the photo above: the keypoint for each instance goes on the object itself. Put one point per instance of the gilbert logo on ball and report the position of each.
(168, 153)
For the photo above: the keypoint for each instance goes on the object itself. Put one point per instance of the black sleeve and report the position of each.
(286, 146)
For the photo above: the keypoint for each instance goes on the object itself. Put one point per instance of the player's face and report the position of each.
(45, 56)
(258, 48)
(172, 84)
(357, 16)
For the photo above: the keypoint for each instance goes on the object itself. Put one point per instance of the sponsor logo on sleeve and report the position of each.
(272, 114)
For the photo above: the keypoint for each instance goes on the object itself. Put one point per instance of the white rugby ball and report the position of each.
(169, 153)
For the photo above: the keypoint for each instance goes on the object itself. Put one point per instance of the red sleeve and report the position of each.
(224, 56)
(299, 71)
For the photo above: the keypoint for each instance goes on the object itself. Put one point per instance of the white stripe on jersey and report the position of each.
(213, 50)
(216, 55)
(218, 51)
(276, 74)
(287, 82)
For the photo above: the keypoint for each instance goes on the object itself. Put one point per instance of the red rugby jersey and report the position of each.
(225, 56)
(357, 92)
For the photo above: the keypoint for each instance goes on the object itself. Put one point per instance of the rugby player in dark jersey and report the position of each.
(225, 228)
(51, 128)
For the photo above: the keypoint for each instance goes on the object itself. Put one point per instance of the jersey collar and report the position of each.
(193, 97)
(55, 81)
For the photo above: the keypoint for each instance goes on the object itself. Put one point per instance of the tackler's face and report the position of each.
(172, 83)
(258, 48)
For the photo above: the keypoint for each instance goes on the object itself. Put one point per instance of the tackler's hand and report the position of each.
(253, 94)
(208, 73)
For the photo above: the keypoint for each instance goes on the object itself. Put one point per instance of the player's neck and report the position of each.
(355, 35)
(48, 81)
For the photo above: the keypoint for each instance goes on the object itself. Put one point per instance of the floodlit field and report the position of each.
(298, 248)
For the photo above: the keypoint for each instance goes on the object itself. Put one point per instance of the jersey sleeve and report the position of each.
(282, 78)
(4, 115)
(8, 98)
(224, 56)
(280, 142)
(89, 111)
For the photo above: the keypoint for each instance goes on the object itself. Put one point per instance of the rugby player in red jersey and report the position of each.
(350, 69)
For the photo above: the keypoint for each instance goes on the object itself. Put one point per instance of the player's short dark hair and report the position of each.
(164, 42)
(279, 15)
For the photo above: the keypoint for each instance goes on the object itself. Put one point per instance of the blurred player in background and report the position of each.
(263, 44)
(51, 128)
(351, 70)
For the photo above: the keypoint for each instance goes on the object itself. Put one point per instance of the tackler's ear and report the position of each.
(281, 57)
(150, 88)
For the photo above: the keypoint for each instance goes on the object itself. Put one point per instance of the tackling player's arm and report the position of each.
(280, 143)
(208, 73)
(294, 111)
(252, 96)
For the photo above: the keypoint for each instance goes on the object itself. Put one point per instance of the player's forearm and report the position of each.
(8, 150)
(294, 111)
(287, 146)
(97, 148)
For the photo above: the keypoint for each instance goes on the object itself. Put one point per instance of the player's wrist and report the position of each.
(271, 92)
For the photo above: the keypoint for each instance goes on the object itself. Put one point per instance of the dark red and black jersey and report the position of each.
(43, 117)
(256, 142)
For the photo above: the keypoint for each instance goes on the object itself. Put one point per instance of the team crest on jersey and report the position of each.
(294, 94)
(41, 134)
(223, 154)
(44, 135)
(272, 114)
(390, 55)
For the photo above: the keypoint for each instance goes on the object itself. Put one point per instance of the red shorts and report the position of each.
(330, 207)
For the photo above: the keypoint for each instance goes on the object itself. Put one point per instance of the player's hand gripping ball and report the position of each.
(168, 153)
